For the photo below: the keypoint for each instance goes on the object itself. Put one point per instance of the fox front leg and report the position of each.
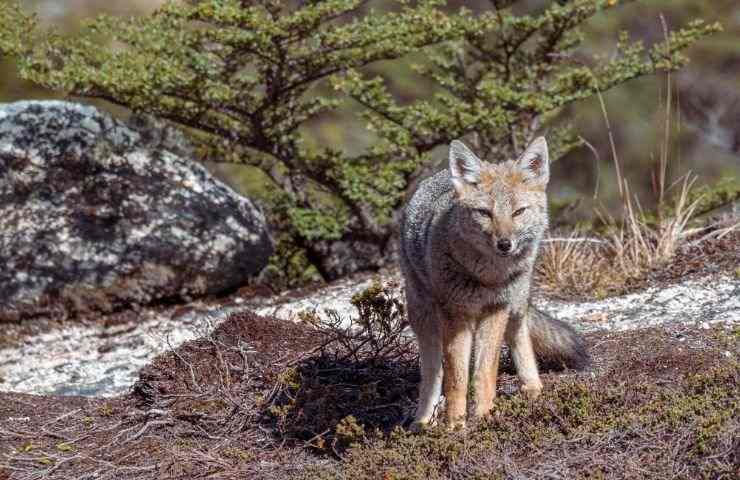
(488, 338)
(519, 339)
(457, 339)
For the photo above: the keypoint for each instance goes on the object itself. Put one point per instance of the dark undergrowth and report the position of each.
(262, 399)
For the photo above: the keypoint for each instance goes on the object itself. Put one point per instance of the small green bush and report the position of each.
(245, 78)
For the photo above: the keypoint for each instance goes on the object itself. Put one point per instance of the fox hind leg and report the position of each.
(424, 321)
(430, 389)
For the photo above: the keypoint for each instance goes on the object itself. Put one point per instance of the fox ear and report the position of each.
(465, 167)
(535, 162)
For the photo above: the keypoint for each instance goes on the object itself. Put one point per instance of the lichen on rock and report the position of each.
(96, 215)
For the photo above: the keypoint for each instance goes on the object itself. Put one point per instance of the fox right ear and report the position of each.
(535, 162)
(465, 167)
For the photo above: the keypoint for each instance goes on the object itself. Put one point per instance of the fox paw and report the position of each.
(456, 424)
(531, 391)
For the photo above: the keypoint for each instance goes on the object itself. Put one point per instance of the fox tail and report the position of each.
(556, 344)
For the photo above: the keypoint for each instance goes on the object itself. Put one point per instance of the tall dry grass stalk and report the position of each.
(640, 245)
(599, 267)
(634, 245)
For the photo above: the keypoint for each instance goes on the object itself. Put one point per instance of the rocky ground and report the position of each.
(704, 301)
(251, 395)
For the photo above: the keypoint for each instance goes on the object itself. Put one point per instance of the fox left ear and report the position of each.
(465, 167)
(535, 162)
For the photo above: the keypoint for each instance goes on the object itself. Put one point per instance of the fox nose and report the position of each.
(504, 245)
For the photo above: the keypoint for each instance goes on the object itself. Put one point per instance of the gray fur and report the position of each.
(454, 273)
(438, 264)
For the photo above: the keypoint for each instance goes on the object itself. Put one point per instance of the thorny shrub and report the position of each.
(378, 333)
(359, 381)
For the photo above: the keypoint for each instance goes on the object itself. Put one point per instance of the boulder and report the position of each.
(97, 215)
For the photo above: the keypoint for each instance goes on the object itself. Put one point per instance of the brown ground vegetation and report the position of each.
(261, 398)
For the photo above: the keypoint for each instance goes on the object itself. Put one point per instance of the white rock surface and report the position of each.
(93, 360)
(705, 301)
(711, 300)
(335, 297)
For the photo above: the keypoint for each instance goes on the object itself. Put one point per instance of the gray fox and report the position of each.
(469, 239)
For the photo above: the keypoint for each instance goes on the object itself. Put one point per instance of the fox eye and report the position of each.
(518, 212)
(483, 212)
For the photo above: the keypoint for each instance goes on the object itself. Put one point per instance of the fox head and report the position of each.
(500, 208)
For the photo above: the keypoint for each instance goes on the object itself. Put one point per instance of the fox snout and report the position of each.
(503, 237)
(504, 246)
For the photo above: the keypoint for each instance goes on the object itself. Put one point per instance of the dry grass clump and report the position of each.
(575, 266)
(578, 265)
(601, 266)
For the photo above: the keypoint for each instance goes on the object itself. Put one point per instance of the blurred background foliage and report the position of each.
(585, 177)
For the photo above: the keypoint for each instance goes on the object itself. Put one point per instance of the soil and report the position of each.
(260, 398)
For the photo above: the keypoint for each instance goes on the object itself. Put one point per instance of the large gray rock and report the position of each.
(96, 215)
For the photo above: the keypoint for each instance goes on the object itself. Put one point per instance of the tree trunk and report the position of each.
(352, 253)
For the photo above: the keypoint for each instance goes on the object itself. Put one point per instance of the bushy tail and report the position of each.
(556, 344)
